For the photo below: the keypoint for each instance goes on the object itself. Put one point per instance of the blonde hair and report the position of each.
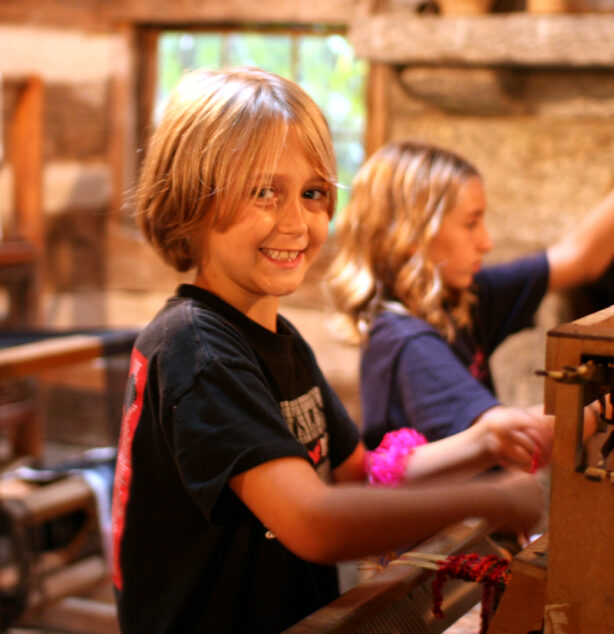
(219, 129)
(399, 198)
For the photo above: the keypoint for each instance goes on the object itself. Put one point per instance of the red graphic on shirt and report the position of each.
(478, 369)
(316, 453)
(123, 469)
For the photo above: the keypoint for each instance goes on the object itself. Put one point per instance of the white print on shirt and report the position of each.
(305, 419)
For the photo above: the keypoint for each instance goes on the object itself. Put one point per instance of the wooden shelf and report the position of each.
(402, 38)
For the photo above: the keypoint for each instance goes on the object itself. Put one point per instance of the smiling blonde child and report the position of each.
(227, 514)
(410, 280)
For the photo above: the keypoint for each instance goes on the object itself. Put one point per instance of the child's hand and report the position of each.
(517, 437)
(522, 501)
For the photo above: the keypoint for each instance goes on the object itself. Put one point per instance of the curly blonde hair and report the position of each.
(219, 129)
(399, 198)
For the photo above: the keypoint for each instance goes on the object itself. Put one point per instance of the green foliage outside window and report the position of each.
(324, 65)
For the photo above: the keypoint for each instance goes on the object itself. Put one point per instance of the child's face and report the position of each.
(275, 236)
(462, 240)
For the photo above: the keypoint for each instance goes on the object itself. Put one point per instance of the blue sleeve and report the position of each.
(433, 392)
(509, 294)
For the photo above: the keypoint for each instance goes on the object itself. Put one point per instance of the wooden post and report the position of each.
(122, 146)
(25, 154)
(147, 76)
(24, 252)
(573, 594)
(376, 133)
(580, 557)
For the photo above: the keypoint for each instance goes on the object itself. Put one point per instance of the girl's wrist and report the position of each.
(484, 439)
(387, 465)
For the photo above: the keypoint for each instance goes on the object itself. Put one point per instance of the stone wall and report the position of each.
(544, 141)
(540, 134)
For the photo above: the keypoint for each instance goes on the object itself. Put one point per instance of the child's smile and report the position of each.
(273, 239)
(288, 257)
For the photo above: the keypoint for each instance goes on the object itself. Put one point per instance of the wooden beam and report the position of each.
(146, 77)
(233, 11)
(25, 154)
(78, 614)
(378, 81)
(365, 606)
(521, 608)
(123, 135)
(403, 38)
(30, 358)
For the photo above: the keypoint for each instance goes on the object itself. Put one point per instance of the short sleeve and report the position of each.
(226, 424)
(343, 432)
(433, 392)
(509, 294)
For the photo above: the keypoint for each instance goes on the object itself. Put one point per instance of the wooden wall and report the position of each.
(530, 100)
(528, 97)
(90, 57)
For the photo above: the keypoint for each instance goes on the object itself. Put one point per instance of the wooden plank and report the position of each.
(25, 133)
(486, 40)
(123, 135)
(377, 101)
(234, 11)
(581, 510)
(56, 349)
(58, 498)
(96, 15)
(25, 154)
(30, 358)
(19, 275)
(378, 105)
(366, 601)
(70, 580)
(147, 79)
(521, 608)
(78, 615)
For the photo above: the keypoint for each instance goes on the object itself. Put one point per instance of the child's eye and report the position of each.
(265, 193)
(316, 194)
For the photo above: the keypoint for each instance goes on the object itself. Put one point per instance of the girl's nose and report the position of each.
(485, 241)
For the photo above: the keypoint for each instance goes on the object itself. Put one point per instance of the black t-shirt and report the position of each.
(212, 394)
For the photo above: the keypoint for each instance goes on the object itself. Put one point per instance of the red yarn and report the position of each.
(493, 572)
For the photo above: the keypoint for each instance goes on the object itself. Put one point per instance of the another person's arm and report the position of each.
(503, 436)
(585, 252)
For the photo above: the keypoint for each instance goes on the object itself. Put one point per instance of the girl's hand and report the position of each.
(516, 437)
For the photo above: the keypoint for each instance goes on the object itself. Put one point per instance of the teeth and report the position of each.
(282, 256)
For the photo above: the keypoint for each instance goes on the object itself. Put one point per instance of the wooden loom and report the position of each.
(560, 584)
(52, 569)
(563, 583)
(398, 599)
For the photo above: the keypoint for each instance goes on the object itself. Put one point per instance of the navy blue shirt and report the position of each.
(412, 377)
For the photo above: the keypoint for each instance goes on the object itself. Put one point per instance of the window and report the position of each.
(322, 63)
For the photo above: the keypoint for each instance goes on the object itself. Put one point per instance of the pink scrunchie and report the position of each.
(386, 464)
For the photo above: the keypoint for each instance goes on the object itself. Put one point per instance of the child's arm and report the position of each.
(329, 523)
(504, 436)
(586, 251)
